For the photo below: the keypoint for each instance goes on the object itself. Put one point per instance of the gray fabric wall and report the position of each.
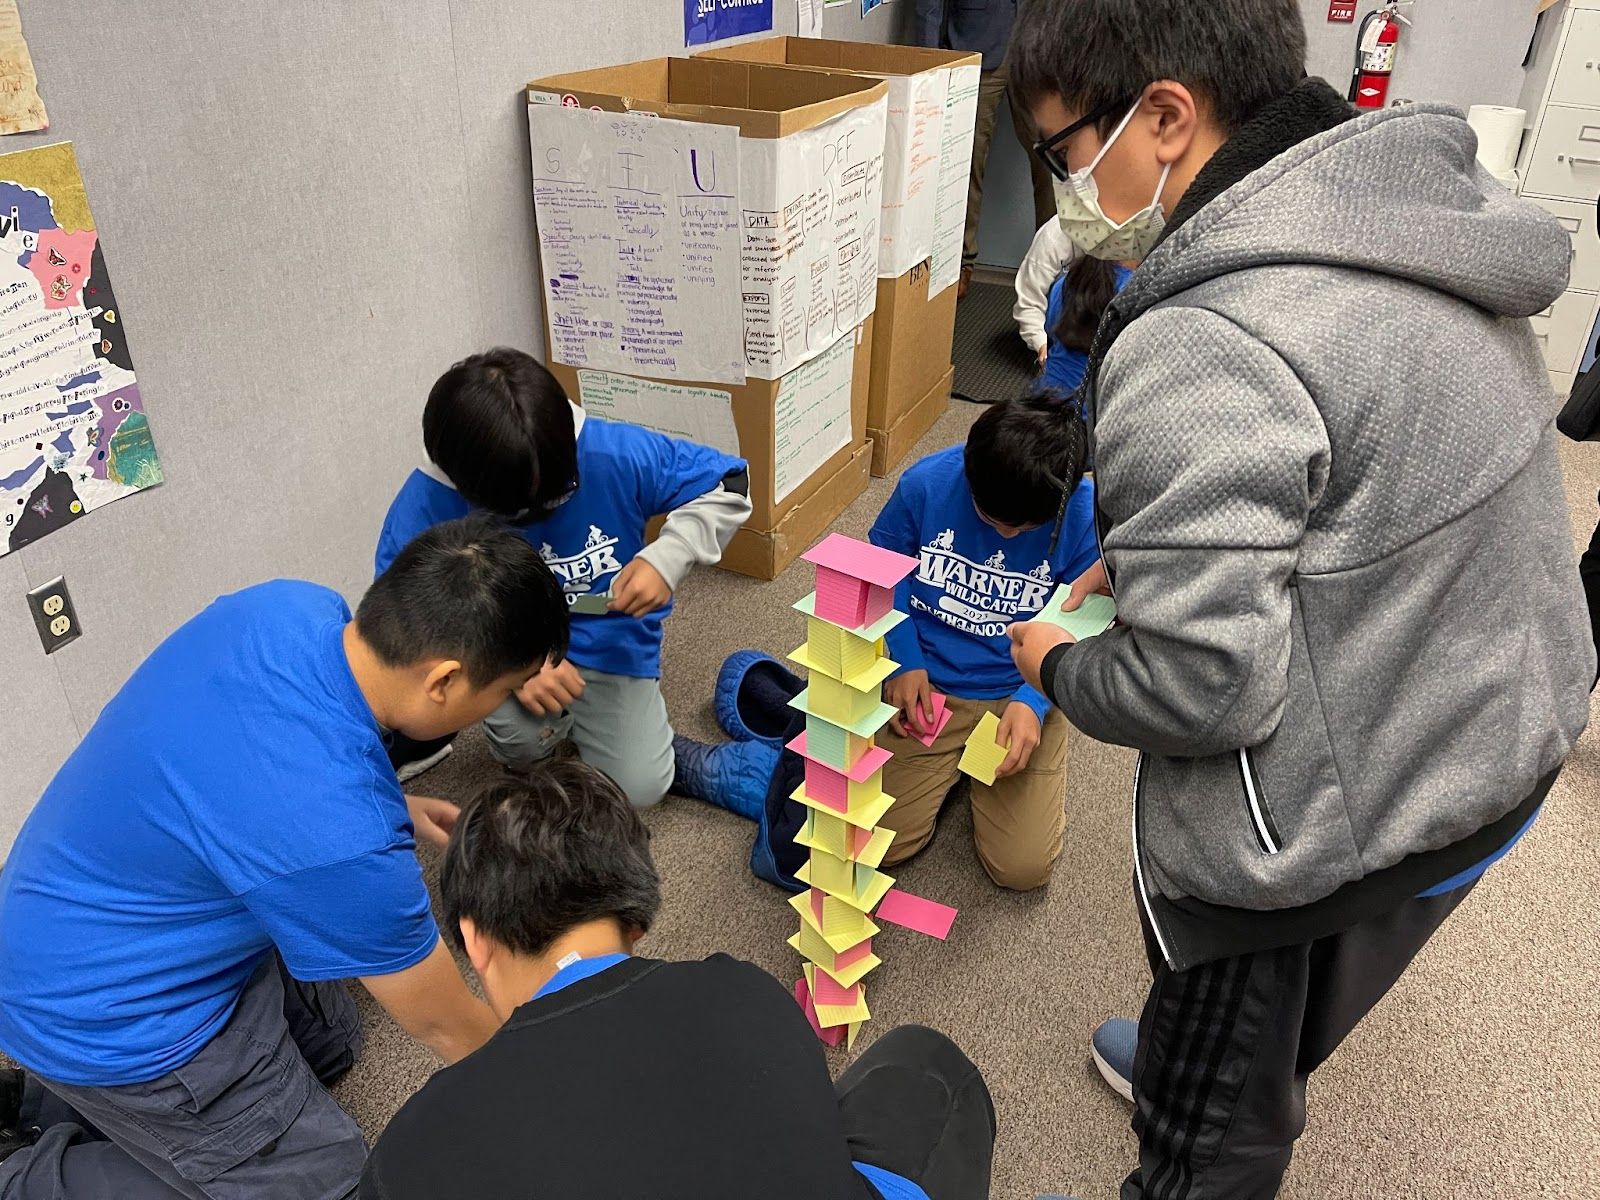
(308, 211)
(1458, 52)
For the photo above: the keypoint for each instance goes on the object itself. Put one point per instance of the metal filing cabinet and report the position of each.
(1560, 170)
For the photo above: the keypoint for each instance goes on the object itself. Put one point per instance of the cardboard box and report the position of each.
(911, 349)
(891, 447)
(911, 370)
(654, 261)
(762, 102)
(914, 224)
(755, 417)
(765, 553)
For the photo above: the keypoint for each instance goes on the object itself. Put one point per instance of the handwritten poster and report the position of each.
(21, 110)
(696, 414)
(638, 240)
(73, 433)
(912, 156)
(810, 220)
(811, 418)
(955, 167)
(706, 21)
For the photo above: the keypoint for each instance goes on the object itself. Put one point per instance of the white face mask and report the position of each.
(1097, 235)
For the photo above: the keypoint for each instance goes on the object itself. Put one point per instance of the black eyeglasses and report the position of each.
(1045, 148)
(535, 513)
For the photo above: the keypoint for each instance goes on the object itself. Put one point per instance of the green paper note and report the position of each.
(591, 604)
(1093, 616)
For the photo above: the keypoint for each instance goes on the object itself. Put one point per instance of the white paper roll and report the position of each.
(1499, 131)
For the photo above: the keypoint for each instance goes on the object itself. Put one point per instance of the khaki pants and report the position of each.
(1016, 823)
(991, 91)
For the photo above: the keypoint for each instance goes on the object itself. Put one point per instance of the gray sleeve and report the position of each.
(1210, 455)
(699, 531)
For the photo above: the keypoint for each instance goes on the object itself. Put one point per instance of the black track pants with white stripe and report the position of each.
(1219, 1081)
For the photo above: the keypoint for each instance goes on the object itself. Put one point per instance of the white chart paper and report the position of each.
(811, 420)
(808, 18)
(696, 414)
(955, 168)
(810, 214)
(912, 164)
(639, 238)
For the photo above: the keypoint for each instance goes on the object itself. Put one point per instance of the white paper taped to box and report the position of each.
(638, 238)
(810, 209)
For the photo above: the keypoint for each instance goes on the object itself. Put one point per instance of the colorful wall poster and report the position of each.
(707, 21)
(21, 109)
(73, 432)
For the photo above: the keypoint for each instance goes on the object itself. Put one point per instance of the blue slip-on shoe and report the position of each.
(1112, 1048)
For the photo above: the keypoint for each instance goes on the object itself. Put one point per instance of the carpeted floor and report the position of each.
(1479, 1076)
(992, 362)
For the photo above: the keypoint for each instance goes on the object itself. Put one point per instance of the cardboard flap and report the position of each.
(866, 58)
(763, 101)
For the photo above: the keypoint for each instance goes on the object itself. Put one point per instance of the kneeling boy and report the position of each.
(616, 1076)
(994, 526)
(226, 845)
(502, 436)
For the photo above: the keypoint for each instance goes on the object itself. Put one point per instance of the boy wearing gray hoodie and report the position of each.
(1326, 477)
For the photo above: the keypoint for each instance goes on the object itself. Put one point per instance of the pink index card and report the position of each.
(941, 718)
(928, 739)
(860, 560)
(872, 760)
(913, 912)
(802, 996)
(830, 993)
(853, 955)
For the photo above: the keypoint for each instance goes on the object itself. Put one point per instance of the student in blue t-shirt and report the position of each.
(502, 436)
(1077, 301)
(226, 844)
(995, 526)
(622, 1076)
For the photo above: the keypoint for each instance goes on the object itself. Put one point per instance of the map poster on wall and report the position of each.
(73, 434)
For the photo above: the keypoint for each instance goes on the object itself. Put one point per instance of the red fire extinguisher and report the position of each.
(1376, 43)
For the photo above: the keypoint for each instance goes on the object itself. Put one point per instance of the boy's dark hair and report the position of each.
(500, 427)
(471, 590)
(1024, 457)
(1091, 285)
(530, 859)
(1237, 54)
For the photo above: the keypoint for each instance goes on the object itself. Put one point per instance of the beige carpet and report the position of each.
(1479, 1076)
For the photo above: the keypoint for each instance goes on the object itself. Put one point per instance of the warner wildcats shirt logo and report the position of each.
(978, 598)
(580, 572)
(970, 582)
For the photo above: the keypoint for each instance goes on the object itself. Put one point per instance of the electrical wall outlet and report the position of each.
(53, 614)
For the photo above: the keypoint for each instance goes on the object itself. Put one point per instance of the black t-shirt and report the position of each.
(648, 1081)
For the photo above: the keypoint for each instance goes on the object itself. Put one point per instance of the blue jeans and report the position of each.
(247, 1117)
